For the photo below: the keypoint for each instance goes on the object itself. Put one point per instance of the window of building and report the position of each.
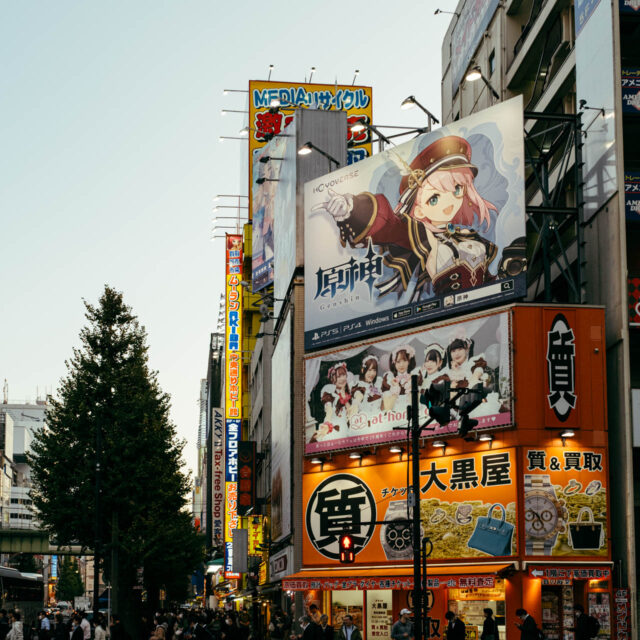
(492, 62)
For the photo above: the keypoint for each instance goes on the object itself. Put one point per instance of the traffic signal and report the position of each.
(347, 552)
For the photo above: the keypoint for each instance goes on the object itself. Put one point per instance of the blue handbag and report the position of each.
(492, 535)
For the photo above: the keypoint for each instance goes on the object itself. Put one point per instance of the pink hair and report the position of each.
(473, 204)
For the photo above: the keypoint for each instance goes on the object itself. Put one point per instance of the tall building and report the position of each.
(575, 64)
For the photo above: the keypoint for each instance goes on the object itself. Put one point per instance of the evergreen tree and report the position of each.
(69, 584)
(110, 395)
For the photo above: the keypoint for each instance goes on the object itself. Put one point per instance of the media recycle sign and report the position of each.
(340, 504)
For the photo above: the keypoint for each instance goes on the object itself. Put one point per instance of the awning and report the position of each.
(453, 576)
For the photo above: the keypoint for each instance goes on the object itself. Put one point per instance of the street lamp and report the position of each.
(411, 102)
(476, 74)
(308, 147)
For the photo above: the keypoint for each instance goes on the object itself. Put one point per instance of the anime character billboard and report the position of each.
(358, 396)
(430, 228)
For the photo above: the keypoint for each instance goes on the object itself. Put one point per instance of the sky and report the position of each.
(110, 157)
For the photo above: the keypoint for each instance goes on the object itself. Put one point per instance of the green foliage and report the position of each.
(110, 388)
(69, 584)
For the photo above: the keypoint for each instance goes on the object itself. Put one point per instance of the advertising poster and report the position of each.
(218, 475)
(469, 28)
(631, 90)
(266, 121)
(467, 508)
(430, 228)
(233, 391)
(583, 10)
(565, 502)
(632, 195)
(281, 438)
(634, 301)
(358, 396)
(630, 6)
(379, 614)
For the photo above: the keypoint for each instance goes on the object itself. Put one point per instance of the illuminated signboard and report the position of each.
(233, 392)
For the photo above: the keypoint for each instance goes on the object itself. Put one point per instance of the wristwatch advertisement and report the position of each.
(396, 533)
(544, 517)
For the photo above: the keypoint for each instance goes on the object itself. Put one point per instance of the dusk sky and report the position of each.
(110, 159)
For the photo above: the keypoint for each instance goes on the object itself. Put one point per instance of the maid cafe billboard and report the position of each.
(431, 228)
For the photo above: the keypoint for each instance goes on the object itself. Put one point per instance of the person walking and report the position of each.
(76, 627)
(403, 627)
(528, 627)
(489, 626)
(100, 632)
(587, 627)
(326, 630)
(348, 630)
(4, 624)
(44, 626)
(15, 632)
(456, 629)
(61, 631)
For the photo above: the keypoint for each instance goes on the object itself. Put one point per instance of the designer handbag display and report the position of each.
(492, 535)
(586, 534)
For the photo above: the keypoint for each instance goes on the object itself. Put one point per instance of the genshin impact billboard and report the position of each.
(357, 396)
(430, 228)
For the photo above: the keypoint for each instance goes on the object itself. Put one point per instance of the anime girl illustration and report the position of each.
(263, 212)
(336, 398)
(396, 383)
(430, 233)
(367, 390)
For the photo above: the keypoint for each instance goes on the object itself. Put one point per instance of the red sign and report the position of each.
(622, 614)
(570, 573)
(399, 582)
(246, 477)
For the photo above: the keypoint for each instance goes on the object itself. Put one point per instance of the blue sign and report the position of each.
(583, 11)
(630, 6)
(471, 24)
(632, 195)
(54, 566)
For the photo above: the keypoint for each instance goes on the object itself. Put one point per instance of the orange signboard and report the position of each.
(467, 508)
(565, 501)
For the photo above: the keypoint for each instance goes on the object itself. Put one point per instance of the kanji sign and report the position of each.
(468, 493)
(622, 614)
(246, 477)
(342, 502)
(561, 376)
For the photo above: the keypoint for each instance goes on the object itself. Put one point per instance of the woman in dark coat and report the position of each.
(489, 627)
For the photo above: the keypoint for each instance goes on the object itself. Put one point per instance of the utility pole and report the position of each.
(98, 508)
(415, 499)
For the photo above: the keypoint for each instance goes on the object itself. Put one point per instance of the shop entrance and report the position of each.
(470, 603)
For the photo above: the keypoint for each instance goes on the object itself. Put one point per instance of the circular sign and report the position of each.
(340, 504)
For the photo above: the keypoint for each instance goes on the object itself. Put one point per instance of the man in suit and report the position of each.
(456, 629)
(326, 630)
(528, 627)
(310, 630)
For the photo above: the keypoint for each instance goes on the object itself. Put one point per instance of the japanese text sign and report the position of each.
(631, 90)
(359, 396)
(565, 502)
(233, 390)
(473, 493)
(218, 475)
(267, 121)
(632, 195)
(622, 614)
(246, 476)
(431, 228)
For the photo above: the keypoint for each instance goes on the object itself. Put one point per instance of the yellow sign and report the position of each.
(266, 121)
(256, 536)
(233, 392)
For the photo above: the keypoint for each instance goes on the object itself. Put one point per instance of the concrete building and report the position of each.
(571, 61)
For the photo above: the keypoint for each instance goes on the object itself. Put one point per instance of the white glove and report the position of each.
(339, 206)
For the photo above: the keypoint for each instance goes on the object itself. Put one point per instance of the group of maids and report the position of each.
(370, 394)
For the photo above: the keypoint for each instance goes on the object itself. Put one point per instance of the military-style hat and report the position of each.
(450, 152)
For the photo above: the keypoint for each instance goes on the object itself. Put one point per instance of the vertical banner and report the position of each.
(632, 195)
(622, 614)
(233, 392)
(217, 488)
(631, 90)
(246, 477)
